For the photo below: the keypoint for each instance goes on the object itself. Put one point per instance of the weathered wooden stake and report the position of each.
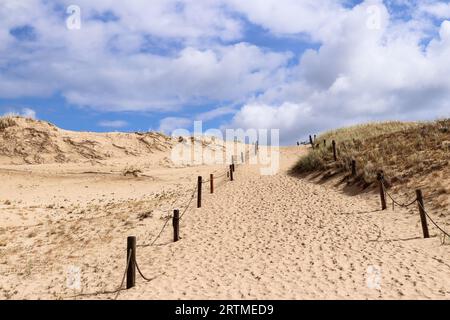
(199, 192)
(176, 225)
(242, 157)
(354, 168)
(233, 167)
(315, 138)
(380, 178)
(324, 143)
(131, 271)
(211, 183)
(334, 150)
(423, 217)
(231, 172)
(311, 141)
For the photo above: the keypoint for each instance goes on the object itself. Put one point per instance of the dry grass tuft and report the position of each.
(132, 171)
(411, 154)
(6, 122)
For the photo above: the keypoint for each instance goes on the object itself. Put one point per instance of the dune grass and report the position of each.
(367, 130)
(6, 122)
(400, 149)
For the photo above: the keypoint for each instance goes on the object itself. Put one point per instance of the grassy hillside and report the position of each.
(412, 155)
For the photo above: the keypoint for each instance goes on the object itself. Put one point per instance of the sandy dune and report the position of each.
(277, 237)
(263, 237)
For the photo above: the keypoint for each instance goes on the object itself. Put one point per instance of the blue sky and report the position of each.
(299, 66)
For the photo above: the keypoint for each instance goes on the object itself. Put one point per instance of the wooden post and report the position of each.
(176, 225)
(231, 172)
(233, 167)
(423, 217)
(354, 168)
(315, 139)
(311, 141)
(211, 183)
(131, 271)
(380, 178)
(242, 157)
(324, 143)
(199, 192)
(334, 150)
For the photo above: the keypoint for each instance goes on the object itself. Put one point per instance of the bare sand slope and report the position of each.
(264, 237)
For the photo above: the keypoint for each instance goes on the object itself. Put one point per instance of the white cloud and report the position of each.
(310, 17)
(118, 66)
(189, 20)
(28, 113)
(358, 75)
(23, 112)
(286, 117)
(436, 9)
(113, 123)
(169, 124)
(215, 113)
(167, 54)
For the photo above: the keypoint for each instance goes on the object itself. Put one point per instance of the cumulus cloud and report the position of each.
(368, 61)
(436, 9)
(169, 124)
(360, 74)
(312, 18)
(121, 64)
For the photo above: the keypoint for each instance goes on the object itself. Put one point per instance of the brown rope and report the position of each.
(141, 274)
(124, 275)
(432, 221)
(403, 205)
(189, 203)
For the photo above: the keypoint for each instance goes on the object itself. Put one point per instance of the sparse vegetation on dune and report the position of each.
(6, 121)
(410, 154)
(30, 141)
(367, 130)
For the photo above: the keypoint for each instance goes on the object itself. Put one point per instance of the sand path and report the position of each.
(259, 237)
(280, 237)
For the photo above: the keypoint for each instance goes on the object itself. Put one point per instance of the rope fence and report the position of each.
(419, 200)
(129, 274)
(383, 193)
(215, 179)
(120, 288)
(433, 222)
(402, 205)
